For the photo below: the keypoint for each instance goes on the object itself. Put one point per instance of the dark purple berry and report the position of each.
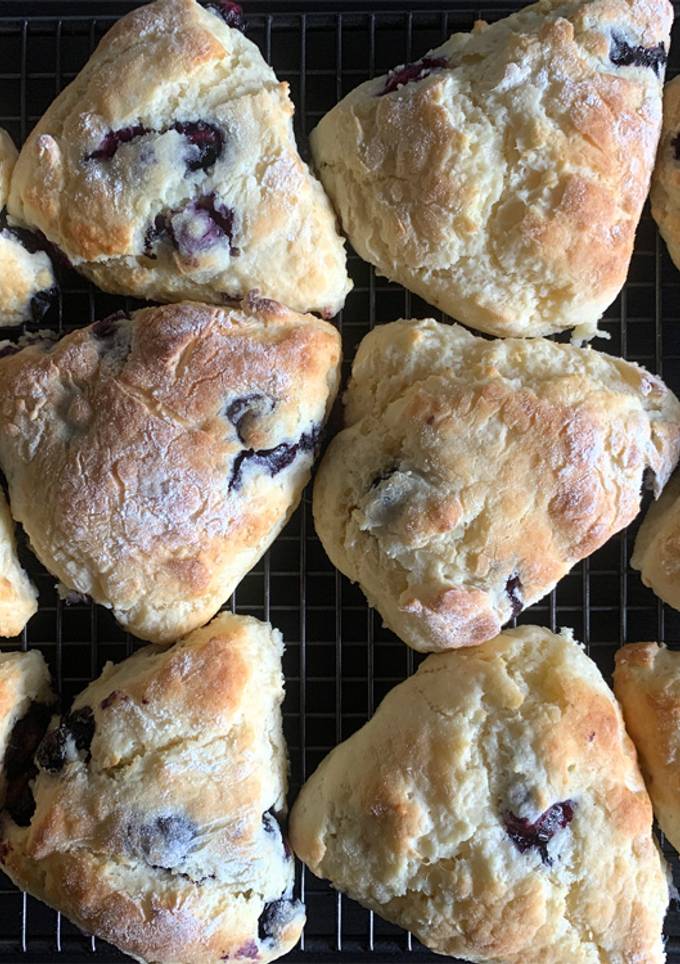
(24, 739)
(19, 799)
(207, 139)
(513, 588)
(41, 302)
(112, 141)
(230, 12)
(77, 726)
(107, 327)
(538, 834)
(276, 915)
(622, 54)
(164, 842)
(411, 73)
(254, 404)
(160, 230)
(273, 460)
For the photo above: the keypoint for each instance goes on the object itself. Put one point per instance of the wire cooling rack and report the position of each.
(339, 661)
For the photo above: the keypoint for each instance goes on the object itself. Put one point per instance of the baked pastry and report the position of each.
(473, 474)
(152, 459)
(647, 684)
(168, 169)
(18, 596)
(494, 807)
(665, 194)
(657, 547)
(158, 804)
(502, 175)
(27, 284)
(26, 707)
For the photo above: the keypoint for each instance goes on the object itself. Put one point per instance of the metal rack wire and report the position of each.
(340, 661)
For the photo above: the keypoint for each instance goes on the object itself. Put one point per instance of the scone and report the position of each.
(26, 707)
(168, 169)
(473, 474)
(647, 684)
(159, 801)
(494, 807)
(27, 284)
(665, 194)
(18, 596)
(152, 459)
(657, 547)
(502, 175)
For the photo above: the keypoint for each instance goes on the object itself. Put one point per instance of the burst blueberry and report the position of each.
(412, 73)
(527, 835)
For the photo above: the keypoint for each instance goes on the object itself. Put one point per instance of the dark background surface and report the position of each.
(339, 661)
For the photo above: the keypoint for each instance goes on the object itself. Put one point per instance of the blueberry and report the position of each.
(513, 589)
(24, 739)
(622, 54)
(112, 141)
(41, 302)
(160, 230)
(273, 460)
(538, 834)
(275, 916)
(196, 227)
(206, 138)
(163, 842)
(246, 405)
(77, 726)
(411, 73)
(107, 327)
(230, 12)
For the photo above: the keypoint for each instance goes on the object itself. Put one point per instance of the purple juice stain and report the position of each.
(513, 589)
(411, 73)
(623, 54)
(227, 10)
(527, 835)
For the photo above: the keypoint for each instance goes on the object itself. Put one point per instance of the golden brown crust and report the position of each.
(647, 684)
(413, 815)
(665, 193)
(657, 546)
(473, 474)
(160, 834)
(506, 187)
(152, 460)
(18, 596)
(158, 218)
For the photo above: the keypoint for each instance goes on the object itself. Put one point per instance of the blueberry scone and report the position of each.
(665, 194)
(647, 684)
(473, 474)
(27, 284)
(26, 706)
(152, 459)
(657, 546)
(18, 597)
(502, 175)
(168, 169)
(494, 807)
(159, 802)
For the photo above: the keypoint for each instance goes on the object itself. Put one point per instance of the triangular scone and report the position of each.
(657, 546)
(474, 474)
(665, 194)
(26, 706)
(168, 169)
(501, 177)
(153, 459)
(494, 807)
(27, 284)
(158, 804)
(18, 597)
(647, 684)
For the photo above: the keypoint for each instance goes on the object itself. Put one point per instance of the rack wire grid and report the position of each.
(339, 661)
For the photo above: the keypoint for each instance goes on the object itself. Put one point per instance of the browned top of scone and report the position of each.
(151, 459)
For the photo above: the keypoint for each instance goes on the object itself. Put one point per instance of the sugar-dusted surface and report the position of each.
(339, 661)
